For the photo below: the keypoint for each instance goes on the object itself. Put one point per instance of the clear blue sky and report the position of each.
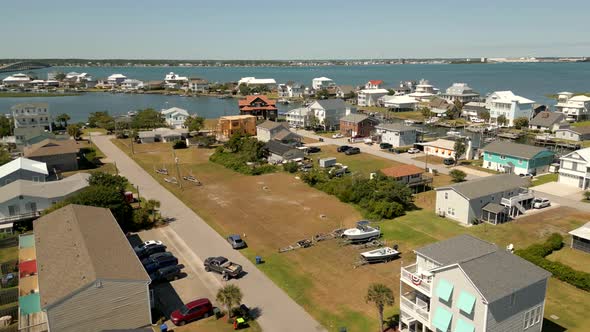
(297, 29)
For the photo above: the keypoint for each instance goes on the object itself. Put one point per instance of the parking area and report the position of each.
(193, 283)
(560, 189)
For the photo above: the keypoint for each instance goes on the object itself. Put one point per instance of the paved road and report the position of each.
(278, 311)
(556, 196)
(405, 158)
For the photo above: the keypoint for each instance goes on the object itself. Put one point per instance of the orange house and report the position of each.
(229, 125)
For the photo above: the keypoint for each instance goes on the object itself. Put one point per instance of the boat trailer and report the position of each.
(192, 179)
(306, 243)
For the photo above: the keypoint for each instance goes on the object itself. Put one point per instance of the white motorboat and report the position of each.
(384, 254)
(453, 133)
(409, 122)
(362, 232)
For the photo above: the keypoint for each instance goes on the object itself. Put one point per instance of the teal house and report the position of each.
(508, 157)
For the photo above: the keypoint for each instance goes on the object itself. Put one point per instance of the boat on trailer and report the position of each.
(362, 232)
(384, 254)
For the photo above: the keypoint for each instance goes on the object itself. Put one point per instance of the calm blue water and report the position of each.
(531, 80)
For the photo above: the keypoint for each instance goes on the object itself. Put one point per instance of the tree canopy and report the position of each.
(229, 296)
(101, 120)
(108, 180)
(194, 123)
(458, 175)
(460, 148)
(147, 119)
(6, 126)
(381, 296)
(521, 122)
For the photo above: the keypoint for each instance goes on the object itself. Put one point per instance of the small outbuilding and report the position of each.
(581, 238)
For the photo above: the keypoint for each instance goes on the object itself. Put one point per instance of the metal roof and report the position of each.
(395, 127)
(583, 232)
(23, 163)
(50, 189)
(488, 185)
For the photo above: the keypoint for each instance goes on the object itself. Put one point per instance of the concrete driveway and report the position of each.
(560, 189)
(197, 241)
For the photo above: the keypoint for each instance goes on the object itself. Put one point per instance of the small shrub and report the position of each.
(179, 145)
(458, 175)
(291, 167)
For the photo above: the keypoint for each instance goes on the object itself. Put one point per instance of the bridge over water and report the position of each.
(22, 66)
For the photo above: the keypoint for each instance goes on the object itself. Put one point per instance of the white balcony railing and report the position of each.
(415, 309)
(421, 282)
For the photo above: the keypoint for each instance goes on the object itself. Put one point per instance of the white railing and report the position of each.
(528, 194)
(421, 311)
(411, 277)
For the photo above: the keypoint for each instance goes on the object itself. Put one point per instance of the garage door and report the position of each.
(569, 180)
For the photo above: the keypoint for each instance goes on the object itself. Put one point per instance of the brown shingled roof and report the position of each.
(77, 245)
(49, 147)
(403, 170)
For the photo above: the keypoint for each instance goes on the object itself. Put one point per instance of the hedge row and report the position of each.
(536, 254)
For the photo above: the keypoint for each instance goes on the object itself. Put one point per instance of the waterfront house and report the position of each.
(116, 79)
(58, 155)
(154, 85)
(89, 276)
(500, 196)
(396, 134)
(547, 121)
(575, 108)
(175, 117)
(509, 105)
(573, 169)
(401, 103)
(31, 115)
(357, 125)
(319, 83)
(581, 238)
(25, 200)
(370, 97)
(423, 91)
(345, 91)
(234, 124)
(279, 153)
(16, 80)
(410, 175)
(475, 111)
(175, 81)
(460, 92)
(508, 157)
(578, 134)
(131, 84)
(440, 106)
(146, 136)
(23, 169)
(268, 83)
(259, 106)
(442, 148)
(165, 135)
(405, 87)
(464, 284)
(290, 90)
(373, 84)
(299, 117)
(329, 111)
(198, 85)
(271, 130)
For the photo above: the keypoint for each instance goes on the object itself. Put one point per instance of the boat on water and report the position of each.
(362, 232)
(384, 254)
(283, 101)
(409, 122)
(453, 133)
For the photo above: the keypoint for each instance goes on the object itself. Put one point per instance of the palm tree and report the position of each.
(228, 296)
(63, 118)
(381, 296)
(152, 205)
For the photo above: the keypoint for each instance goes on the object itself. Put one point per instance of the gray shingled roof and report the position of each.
(332, 103)
(547, 119)
(513, 149)
(270, 124)
(457, 249)
(494, 208)
(501, 273)
(488, 185)
(354, 117)
(494, 272)
(395, 127)
(580, 130)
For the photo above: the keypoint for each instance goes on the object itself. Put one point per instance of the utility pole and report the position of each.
(132, 150)
(177, 169)
(138, 197)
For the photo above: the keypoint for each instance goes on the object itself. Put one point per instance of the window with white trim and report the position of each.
(533, 316)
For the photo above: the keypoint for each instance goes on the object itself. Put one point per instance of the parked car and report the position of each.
(223, 266)
(343, 148)
(385, 146)
(160, 263)
(352, 151)
(313, 149)
(167, 273)
(338, 135)
(449, 161)
(148, 251)
(201, 308)
(539, 203)
(413, 150)
(236, 241)
(306, 167)
(527, 175)
(155, 256)
(147, 244)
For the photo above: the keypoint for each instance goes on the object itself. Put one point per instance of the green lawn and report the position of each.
(363, 163)
(545, 178)
(581, 124)
(576, 259)
(8, 254)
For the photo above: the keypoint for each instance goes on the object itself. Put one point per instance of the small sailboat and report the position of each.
(384, 254)
(362, 232)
